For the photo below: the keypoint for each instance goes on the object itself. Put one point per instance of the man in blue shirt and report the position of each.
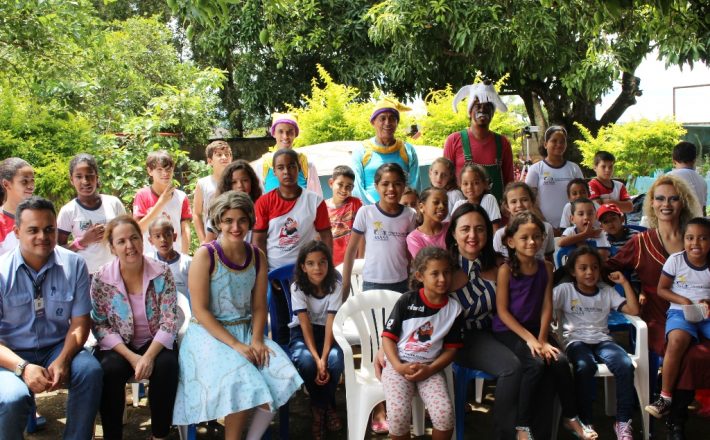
(44, 323)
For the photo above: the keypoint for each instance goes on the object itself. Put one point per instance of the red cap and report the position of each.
(608, 208)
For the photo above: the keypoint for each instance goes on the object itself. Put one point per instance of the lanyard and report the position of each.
(36, 284)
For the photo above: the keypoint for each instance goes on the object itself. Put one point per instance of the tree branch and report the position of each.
(627, 97)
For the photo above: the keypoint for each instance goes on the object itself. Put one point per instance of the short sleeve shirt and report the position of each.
(317, 308)
(585, 316)
(547, 248)
(696, 182)
(489, 203)
(75, 219)
(422, 329)
(176, 210)
(65, 294)
(8, 240)
(386, 255)
(600, 242)
(179, 267)
(551, 183)
(289, 224)
(598, 190)
(341, 225)
(689, 281)
(417, 240)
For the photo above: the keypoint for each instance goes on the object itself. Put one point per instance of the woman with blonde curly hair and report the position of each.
(669, 205)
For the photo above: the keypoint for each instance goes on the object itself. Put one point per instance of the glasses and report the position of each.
(671, 199)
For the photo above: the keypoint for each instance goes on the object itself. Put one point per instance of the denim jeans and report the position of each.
(584, 358)
(322, 396)
(84, 394)
(401, 286)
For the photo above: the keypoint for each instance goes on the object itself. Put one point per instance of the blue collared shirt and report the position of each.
(65, 291)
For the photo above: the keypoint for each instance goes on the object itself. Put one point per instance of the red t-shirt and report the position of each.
(7, 223)
(598, 190)
(483, 152)
(341, 225)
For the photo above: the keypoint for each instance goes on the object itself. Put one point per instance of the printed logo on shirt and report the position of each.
(548, 179)
(288, 234)
(420, 341)
(576, 308)
(84, 225)
(380, 234)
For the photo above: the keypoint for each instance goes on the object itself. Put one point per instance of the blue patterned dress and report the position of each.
(216, 380)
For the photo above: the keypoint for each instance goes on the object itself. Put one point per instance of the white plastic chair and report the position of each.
(355, 289)
(641, 382)
(363, 390)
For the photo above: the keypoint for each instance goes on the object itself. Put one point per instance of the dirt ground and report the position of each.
(478, 423)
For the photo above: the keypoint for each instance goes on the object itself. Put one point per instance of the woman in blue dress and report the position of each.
(227, 368)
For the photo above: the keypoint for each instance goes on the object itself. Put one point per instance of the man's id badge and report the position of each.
(39, 306)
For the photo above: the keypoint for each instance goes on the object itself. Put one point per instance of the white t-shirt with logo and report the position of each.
(585, 317)
(547, 248)
(76, 219)
(317, 308)
(688, 281)
(386, 255)
(551, 184)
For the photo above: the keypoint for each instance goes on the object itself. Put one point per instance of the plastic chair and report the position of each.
(355, 289)
(640, 359)
(283, 276)
(463, 376)
(561, 255)
(362, 388)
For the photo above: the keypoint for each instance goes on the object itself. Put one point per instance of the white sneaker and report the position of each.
(623, 430)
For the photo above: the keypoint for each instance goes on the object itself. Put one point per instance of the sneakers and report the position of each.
(623, 430)
(660, 408)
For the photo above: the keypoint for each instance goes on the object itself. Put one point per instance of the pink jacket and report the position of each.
(111, 310)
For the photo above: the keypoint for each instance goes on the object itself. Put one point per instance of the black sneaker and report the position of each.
(660, 408)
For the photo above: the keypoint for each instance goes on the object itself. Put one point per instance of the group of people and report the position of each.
(471, 255)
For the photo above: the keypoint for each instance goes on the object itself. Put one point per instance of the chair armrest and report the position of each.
(641, 350)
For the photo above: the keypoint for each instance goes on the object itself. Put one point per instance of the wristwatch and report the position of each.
(20, 368)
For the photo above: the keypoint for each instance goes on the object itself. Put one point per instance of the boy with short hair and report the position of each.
(612, 221)
(342, 208)
(583, 230)
(162, 199)
(603, 188)
(162, 235)
(410, 198)
(576, 188)
(219, 155)
(684, 156)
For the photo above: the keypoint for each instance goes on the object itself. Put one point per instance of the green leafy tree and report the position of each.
(640, 147)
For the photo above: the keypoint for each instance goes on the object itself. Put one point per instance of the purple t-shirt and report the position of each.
(527, 293)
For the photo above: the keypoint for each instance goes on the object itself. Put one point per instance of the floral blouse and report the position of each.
(111, 310)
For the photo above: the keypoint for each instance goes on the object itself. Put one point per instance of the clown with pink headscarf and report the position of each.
(284, 129)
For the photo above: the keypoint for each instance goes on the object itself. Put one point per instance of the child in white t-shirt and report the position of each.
(583, 308)
(475, 184)
(315, 299)
(583, 229)
(684, 281)
(384, 226)
(442, 175)
(576, 189)
(551, 175)
(85, 216)
(162, 235)
(519, 197)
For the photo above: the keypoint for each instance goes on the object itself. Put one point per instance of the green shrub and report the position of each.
(640, 147)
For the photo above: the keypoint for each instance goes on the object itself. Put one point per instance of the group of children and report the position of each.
(424, 330)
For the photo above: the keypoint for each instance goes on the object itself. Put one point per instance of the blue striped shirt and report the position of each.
(477, 297)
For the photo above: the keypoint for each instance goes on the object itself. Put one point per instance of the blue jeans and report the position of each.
(401, 286)
(84, 394)
(584, 358)
(322, 396)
